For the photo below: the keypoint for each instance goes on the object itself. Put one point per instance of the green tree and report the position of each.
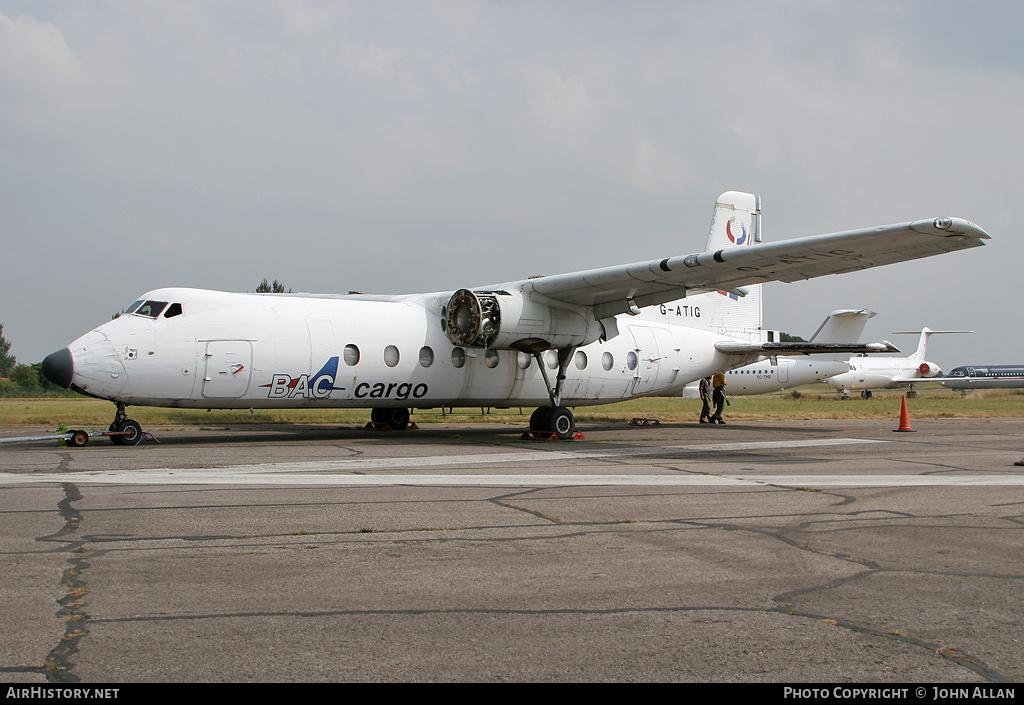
(7, 361)
(787, 338)
(26, 377)
(276, 287)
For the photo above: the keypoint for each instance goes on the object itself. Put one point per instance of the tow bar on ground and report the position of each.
(76, 438)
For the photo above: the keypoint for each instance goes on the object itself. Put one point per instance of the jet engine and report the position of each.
(510, 321)
(928, 369)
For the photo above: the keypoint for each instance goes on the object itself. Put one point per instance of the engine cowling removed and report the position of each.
(504, 320)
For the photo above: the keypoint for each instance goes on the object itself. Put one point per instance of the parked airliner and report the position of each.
(866, 373)
(984, 377)
(494, 345)
(780, 373)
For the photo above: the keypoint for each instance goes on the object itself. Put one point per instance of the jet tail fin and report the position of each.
(842, 326)
(922, 347)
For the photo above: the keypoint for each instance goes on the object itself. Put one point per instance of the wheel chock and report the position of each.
(380, 426)
(548, 436)
(644, 422)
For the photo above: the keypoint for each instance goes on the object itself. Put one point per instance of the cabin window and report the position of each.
(607, 361)
(491, 358)
(458, 357)
(631, 360)
(391, 356)
(581, 360)
(551, 357)
(351, 355)
(523, 360)
(151, 309)
(426, 356)
(172, 311)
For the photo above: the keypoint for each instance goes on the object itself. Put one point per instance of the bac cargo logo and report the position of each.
(318, 386)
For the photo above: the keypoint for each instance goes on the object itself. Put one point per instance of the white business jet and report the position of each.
(866, 374)
(496, 345)
(836, 332)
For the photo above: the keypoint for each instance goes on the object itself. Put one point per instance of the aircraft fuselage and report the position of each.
(225, 350)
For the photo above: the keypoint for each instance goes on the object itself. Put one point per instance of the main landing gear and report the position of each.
(127, 431)
(396, 419)
(555, 420)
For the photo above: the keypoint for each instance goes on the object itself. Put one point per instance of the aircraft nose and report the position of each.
(59, 367)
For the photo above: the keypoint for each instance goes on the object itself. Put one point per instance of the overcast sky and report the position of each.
(396, 147)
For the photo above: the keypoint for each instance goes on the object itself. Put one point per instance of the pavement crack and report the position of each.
(58, 665)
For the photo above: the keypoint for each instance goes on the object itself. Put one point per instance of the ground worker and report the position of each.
(705, 399)
(718, 397)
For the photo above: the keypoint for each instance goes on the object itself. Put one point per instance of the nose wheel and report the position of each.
(128, 431)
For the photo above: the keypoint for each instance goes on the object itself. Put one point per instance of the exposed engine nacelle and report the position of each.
(507, 321)
(928, 369)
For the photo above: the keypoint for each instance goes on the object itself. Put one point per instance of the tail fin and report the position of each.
(736, 222)
(922, 347)
(843, 326)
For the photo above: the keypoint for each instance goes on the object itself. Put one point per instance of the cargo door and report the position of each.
(228, 368)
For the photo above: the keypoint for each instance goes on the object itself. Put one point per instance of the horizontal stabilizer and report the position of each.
(805, 348)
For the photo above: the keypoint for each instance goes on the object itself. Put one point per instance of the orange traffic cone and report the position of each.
(904, 417)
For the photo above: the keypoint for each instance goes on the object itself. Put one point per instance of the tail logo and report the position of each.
(740, 239)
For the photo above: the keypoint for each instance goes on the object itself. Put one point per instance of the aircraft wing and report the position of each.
(620, 289)
(772, 349)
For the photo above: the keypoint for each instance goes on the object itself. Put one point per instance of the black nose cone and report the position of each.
(59, 367)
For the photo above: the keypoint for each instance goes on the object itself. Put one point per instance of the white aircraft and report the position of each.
(840, 328)
(866, 374)
(486, 346)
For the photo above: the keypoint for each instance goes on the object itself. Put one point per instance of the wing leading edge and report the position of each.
(619, 289)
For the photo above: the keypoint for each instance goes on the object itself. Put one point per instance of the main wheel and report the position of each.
(538, 419)
(397, 419)
(132, 432)
(561, 422)
(116, 440)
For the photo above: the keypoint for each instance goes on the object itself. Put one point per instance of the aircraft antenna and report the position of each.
(757, 220)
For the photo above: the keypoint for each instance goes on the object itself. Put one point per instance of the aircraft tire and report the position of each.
(132, 432)
(538, 419)
(116, 440)
(561, 422)
(397, 419)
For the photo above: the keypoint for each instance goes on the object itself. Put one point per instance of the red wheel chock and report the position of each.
(378, 426)
(548, 436)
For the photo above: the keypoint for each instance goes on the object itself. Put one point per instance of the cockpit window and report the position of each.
(131, 309)
(151, 309)
(173, 310)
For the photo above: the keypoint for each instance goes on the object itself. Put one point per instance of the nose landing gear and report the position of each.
(125, 431)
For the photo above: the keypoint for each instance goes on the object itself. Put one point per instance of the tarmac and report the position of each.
(773, 552)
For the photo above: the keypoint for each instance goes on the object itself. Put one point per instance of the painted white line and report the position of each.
(237, 477)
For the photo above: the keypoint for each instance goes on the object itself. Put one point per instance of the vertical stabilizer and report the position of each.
(736, 223)
(922, 347)
(843, 326)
